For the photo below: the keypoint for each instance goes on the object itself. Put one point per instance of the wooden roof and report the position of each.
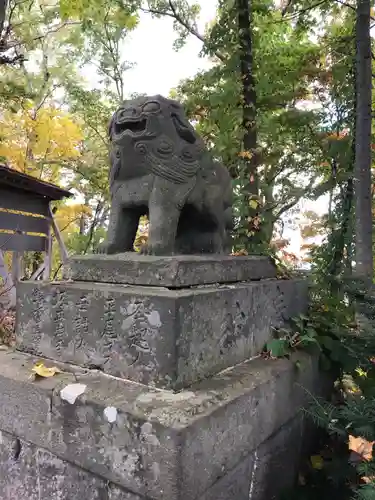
(26, 183)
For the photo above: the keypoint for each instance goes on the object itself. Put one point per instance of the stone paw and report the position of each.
(161, 250)
(107, 248)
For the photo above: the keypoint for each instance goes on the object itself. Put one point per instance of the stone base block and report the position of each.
(178, 271)
(152, 335)
(28, 472)
(275, 464)
(213, 441)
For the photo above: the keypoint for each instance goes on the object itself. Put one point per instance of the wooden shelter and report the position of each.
(27, 223)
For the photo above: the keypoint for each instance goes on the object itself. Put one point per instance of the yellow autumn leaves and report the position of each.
(38, 142)
(93, 10)
(40, 370)
(45, 142)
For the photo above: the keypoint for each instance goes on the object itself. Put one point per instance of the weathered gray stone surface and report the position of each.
(172, 272)
(156, 336)
(31, 473)
(275, 463)
(267, 471)
(158, 444)
(28, 472)
(235, 485)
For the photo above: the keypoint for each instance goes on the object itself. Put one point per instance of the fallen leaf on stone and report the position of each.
(40, 370)
(239, 253)
(317, 462)
(360, 448)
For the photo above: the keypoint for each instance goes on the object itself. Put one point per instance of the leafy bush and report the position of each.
(345, 340)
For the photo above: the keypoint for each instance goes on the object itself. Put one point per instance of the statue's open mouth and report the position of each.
(135, 127)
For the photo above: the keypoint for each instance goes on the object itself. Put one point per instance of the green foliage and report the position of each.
(301, 334)
(346, 348)
(331, 329)
(298, 148)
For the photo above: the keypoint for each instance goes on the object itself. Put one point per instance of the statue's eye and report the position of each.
(151, 107)
(124, 113)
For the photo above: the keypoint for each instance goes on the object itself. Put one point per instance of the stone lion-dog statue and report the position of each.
(160, 167)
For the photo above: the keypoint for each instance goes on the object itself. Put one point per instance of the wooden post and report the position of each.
(38, 272)
(62, 247)
(16, 266)
(4, 273)
(63, 251)
(8, 288)
(48, 258)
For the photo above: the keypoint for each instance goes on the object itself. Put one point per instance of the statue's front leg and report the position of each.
(165, 204)
(162, 229)
(122, 228)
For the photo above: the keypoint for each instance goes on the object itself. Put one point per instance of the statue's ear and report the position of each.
(184, 129)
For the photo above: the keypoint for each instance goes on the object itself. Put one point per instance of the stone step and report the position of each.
(152, 335)
(234, 437)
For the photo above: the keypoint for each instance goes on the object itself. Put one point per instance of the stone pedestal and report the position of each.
(148, 320)
(181, 271)
(162, 395)
(235, 436)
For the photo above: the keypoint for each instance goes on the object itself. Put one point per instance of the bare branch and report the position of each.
(286, 7)
(353, 7)
(346, 4)
(298, 13)
(174, 14)
(94, 223)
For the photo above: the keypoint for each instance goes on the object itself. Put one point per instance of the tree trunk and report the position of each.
(362, 167)
(250, 226)
(3, 8)
(248, 96)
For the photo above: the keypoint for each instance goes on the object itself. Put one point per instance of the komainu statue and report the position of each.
(160, 167)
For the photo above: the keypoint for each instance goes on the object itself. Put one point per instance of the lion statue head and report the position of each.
(153, 133)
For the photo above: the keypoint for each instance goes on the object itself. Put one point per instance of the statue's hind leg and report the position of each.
(217, 240)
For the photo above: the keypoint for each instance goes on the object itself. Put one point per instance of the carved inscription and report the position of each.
(37, 299)
(140, 325)
(80, 321)
(137, 332)
(126, 332)
(109, 332)
(59, 299)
